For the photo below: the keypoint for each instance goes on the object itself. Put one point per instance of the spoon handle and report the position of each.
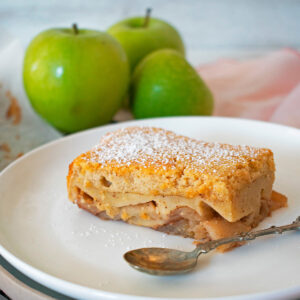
(206, 247)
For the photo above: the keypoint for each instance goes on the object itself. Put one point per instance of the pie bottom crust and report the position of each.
(203, 224)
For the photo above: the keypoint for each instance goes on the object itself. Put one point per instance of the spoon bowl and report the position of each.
(161, 261)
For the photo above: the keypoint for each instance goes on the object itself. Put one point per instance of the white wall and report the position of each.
(208, 26)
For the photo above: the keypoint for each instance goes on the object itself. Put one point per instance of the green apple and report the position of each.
(75, 79)
(165, 84)
(141, 35)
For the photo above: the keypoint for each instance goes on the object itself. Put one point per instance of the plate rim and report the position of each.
(117, 124)
(74, 289)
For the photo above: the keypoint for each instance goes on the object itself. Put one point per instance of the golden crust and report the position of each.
(178, 160)
(155, 150)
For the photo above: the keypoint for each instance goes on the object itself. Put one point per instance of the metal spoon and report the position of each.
(164, 261)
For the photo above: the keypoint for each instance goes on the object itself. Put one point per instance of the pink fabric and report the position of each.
(266, 88)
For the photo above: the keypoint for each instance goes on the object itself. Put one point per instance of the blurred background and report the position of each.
(210, 28)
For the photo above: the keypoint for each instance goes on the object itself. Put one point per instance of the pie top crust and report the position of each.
(156, 149)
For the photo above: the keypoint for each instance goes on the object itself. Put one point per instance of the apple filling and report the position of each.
(172, 214)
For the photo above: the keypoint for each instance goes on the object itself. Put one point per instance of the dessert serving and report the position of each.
(155, 178)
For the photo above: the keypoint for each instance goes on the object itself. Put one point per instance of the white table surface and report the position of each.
(211, 29)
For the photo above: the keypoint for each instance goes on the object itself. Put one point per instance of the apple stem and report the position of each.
(147, 17)
(75, 28)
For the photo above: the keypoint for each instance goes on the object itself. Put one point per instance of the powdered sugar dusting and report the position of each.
(148, 146)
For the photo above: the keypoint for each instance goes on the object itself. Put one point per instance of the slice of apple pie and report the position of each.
(155, 178)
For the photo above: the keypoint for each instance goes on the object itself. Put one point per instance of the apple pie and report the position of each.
(155, 178)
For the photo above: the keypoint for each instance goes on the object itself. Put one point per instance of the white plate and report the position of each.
(51, 240)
